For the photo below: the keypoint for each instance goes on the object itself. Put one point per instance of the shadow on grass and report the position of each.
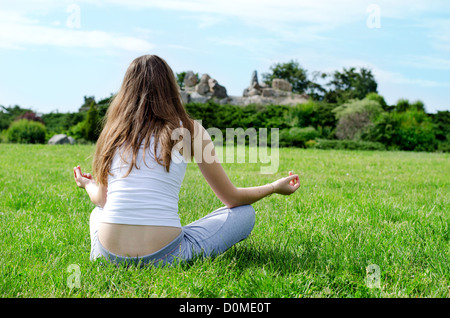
(281, 260)
(242, 257)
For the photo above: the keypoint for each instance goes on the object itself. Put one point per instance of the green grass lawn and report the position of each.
(353, 209)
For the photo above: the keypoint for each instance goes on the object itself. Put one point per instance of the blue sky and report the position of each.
(53, 53)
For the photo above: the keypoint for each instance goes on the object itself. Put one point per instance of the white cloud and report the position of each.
(266, 12)
(427, 62)
(19, 32)
(288, 20)
(19, 36)
(300, 21)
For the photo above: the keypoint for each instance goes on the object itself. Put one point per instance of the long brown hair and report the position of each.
(147, 104)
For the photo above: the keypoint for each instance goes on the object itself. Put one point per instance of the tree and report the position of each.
(30, 115)
(404, 105)
(88, 100)
(291, 72)
(9, 114)
(91, 125)
(441, 122)
(180, 79)
(418, 105)
(103, 105)
(350, 84)
(59, 123)
(315, 90)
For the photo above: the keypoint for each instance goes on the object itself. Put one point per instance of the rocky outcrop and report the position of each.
(190, 79)
(217, 90)
(279, 93)
(202, 87)
(203, 90)
(281, 84)
(254, 88)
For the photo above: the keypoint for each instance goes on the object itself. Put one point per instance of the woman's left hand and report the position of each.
(287, 185)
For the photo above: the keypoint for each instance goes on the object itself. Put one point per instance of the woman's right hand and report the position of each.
(82, 179)
(286, 185)
(97, 193)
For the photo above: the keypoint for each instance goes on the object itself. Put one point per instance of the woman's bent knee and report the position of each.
(245, 215)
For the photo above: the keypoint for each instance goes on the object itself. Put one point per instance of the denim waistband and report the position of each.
(164, 255)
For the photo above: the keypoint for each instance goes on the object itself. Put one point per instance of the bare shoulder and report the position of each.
(200, 133)
(198, 127)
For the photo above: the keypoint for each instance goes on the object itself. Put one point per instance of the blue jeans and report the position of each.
(208, 236)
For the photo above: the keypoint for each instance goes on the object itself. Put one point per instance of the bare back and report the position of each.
(135, 240)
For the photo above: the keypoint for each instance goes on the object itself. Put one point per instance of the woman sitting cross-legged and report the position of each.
(138, 174)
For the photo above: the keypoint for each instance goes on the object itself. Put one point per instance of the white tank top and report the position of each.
(148, 195)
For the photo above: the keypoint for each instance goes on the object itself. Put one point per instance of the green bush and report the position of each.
(371, 107)
(408, 130)
(416, 131)
(297, 136)
(3, 136)
(26, 132)
(352, 126)
(444, 146)
(59, 123)
(310, 144)
(219, 116)
(301, 115)
(214, 115)
(441, 122)
(77, 131)
(404, 105)
(356, 115)
(378, 98)
(348, 145)
(323, 119)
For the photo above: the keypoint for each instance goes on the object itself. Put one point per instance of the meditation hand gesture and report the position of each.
(287, 185)
(97, 193)
(82, 179)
